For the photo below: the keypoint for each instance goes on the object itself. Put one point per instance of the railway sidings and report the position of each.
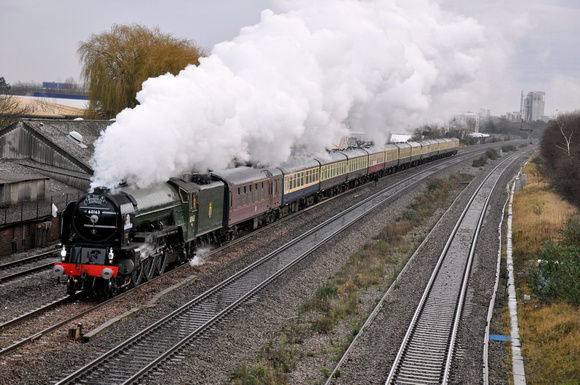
(240, 337)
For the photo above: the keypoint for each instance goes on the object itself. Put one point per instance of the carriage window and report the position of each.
(256, 192)
(262, 191)
(239, 198)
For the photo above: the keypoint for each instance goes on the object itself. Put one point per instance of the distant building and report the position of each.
(465, 121)
(399, 138)
(532, 106)
(484, 113)
(514, 116)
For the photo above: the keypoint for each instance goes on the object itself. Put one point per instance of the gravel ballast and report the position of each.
(241, 337)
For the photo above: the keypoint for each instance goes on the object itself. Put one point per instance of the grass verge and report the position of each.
(550, 334)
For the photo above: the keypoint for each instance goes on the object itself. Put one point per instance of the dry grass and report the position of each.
(550, 334)
(539, 215)
(551, 344)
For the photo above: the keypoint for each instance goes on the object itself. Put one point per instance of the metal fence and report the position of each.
(33, 210)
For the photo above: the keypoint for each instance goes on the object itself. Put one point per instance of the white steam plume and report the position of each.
(299, 79)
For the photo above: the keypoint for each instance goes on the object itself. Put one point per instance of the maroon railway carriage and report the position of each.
(252, 198)
(376, 162)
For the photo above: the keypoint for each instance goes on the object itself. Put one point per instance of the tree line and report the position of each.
(557, 275)
(560, 153)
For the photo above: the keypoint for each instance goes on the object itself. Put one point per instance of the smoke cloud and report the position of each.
(299, 80)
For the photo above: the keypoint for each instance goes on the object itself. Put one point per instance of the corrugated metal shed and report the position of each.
(49, 141)
(21, 188)
(26, 194)
(58, 148)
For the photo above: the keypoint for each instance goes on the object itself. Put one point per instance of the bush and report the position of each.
(480, 162)
(492, 154)
(557, 275)
(508, 148)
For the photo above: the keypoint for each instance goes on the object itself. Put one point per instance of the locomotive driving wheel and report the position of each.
(150, 266)
(137, 276)
(161, 262)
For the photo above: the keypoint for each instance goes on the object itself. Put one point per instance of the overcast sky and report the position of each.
(536, 42)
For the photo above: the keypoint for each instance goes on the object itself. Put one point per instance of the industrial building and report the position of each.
(532, 106)
(44, 165)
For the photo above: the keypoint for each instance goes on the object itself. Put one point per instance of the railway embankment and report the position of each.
(549, 322)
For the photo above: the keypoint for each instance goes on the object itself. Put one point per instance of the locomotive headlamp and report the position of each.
(111, 255)
(63, 253)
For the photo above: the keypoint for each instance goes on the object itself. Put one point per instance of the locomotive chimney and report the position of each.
(101, 190)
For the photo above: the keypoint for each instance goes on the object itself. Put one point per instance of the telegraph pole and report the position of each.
(529, 130)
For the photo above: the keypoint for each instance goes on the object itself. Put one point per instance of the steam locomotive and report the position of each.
(112, 240)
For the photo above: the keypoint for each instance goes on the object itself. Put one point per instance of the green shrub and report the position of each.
(492, 154)
(508, 148)
(557, 275)
(480, 162)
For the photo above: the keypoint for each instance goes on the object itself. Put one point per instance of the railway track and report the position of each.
(64, 301)
(426, 352)
(37, 313)
(27, 266)
(145, 352)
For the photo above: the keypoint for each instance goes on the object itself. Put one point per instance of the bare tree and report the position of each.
(10, 109)
(560, 151)
(564, 124)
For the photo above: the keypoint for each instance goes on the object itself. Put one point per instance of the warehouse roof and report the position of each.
(75, 137)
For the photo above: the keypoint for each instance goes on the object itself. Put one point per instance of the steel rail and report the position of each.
(26, 260)
(436, 370)
(128, 350)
